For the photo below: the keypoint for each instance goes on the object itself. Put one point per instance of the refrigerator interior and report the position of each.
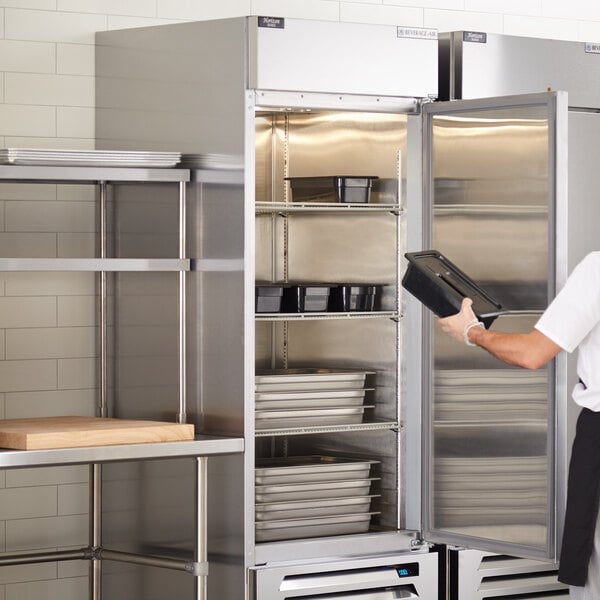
(337, 246)
(491, 426)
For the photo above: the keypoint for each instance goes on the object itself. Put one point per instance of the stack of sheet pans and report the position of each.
(491, 491)
(486, 395)
(312, 496)
(293, 398)
(88, 158)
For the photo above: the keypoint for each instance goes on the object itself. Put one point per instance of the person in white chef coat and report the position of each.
(571, 321)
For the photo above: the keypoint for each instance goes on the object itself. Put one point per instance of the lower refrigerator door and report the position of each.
(476, 575)
(390, 577)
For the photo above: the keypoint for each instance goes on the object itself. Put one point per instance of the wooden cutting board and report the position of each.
(73, 432)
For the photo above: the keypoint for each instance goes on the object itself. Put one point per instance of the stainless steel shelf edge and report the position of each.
(22, 173)
(307, 207)
(94, 264)
(202, 445)
(381, 314)
(332, 429)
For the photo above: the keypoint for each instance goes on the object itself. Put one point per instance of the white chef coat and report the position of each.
(573, 321)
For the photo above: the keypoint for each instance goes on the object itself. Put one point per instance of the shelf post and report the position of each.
(95, 530)
(95, 470)
(102, 411)
(182, 416)
(201, 552)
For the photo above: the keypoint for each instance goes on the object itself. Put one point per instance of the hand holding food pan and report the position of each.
(441, 286)
(459, 325)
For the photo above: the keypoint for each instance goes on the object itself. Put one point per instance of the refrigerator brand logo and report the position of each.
(273, 22)
(592, 47)
(417, 33)
(478, 37)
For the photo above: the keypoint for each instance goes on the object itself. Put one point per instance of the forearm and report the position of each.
(527, 350)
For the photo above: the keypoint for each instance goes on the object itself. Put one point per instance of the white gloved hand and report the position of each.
(458, 325)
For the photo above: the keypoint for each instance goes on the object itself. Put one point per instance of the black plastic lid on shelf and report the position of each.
(441, 286)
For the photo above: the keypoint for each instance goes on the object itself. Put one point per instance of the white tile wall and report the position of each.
(19, 574)
(51, 342)
(47, 324)
(57, 589)
(454, 20)
(215, 9)
(52, 26)
(299, 9)
(47, 403)
(136, 8)
(589, 30)
(27, 312)
(36, 4)
(507, 7)
(20, 503)
(51, 89)
(19, 119)
(77, 373)
(560, 29)
(27, 57)
(22, 478)
(46, 532)
(27, 245)
(75, 59)
(581, 10)
(54, 216)
(380, 14)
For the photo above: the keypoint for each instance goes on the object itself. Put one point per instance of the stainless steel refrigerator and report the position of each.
(256, 101)
(478, 65)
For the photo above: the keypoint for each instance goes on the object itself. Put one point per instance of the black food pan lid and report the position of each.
(441, 286)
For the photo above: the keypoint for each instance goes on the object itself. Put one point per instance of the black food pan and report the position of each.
(346, 189)
(441, 286)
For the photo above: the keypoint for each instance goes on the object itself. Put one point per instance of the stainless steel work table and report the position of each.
(201, 448)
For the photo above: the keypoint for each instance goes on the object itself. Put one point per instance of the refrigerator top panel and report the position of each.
(348, 58)
(486, 65)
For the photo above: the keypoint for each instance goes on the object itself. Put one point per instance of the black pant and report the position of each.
(582, 500)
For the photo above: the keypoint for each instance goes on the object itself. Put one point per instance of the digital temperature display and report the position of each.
(408, 570)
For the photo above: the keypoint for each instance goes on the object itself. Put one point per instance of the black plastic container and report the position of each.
(351, 298)
(441, 286)
(309, 297)
(332, 188)
(267, 298)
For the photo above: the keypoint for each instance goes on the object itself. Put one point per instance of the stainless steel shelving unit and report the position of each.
(200, 448)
